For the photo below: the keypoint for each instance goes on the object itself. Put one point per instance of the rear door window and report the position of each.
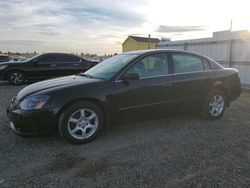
(48, 58)
(64, 58)
(184, 63)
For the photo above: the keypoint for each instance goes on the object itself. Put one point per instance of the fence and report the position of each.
(233, 52)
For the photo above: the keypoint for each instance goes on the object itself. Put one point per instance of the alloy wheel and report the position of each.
(16, 78)
(216, 105)
(83, 123)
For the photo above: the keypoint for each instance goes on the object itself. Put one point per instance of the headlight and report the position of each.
(3, 66)
(34, 103)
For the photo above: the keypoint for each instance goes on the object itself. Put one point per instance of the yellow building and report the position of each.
(133, 43)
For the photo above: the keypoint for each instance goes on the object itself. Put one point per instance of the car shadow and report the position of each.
(130, 126)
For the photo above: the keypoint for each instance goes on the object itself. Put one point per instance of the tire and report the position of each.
(214, 105)
(81, 122)
(16, 77)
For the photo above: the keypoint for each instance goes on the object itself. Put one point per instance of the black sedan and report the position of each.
(129, 85)
(43, 67)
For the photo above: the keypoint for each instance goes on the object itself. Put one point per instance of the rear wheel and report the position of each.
(16, 77)
(215, 105)
(81, 122)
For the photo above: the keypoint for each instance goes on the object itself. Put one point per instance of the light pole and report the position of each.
(149, 41)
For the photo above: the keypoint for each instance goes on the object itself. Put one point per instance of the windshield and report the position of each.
(109, 67)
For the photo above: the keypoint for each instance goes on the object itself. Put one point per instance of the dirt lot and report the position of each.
(179, 151)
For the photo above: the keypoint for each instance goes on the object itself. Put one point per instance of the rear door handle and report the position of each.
(53, 65)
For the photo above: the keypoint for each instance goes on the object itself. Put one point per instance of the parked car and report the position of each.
(43, 66)
(129, 85)
(4, 58)
(17, 59)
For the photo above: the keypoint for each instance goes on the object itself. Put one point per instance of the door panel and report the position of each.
(44, 66)
(143, 97)
(69, 64)
(190, 80)
(190, 89)
(150, 94)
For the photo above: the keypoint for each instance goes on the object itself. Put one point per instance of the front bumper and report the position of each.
(32, 122)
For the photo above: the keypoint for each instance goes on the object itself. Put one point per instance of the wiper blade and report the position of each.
(86, 75)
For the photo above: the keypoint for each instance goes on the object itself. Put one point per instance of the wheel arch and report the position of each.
(218, 85)
(12, 70)
(104, 108)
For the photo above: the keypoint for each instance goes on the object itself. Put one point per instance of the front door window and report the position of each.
(151, 66)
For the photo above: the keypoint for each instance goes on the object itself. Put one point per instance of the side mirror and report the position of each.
(131, 76)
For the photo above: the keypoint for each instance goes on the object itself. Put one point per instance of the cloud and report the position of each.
(101, 16)
(176, 29)
(21, 45)
(48, 33)
(65, 26)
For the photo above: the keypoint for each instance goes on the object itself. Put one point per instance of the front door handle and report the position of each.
(53, 65)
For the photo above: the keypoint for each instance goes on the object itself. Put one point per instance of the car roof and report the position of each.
(57, 53)
(144, 52)
(60, 53)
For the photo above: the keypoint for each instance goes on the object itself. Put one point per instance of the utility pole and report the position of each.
(231, 25)
(230, 45)
(185, 46)
(149, 41)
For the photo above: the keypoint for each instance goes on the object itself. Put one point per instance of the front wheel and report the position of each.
(16, 77)
(215, 105)
(81, 122)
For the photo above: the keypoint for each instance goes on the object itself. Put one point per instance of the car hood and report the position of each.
(54, 83)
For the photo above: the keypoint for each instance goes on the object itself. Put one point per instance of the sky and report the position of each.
(101, 26)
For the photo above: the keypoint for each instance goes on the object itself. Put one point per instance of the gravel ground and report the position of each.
(177, 151)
